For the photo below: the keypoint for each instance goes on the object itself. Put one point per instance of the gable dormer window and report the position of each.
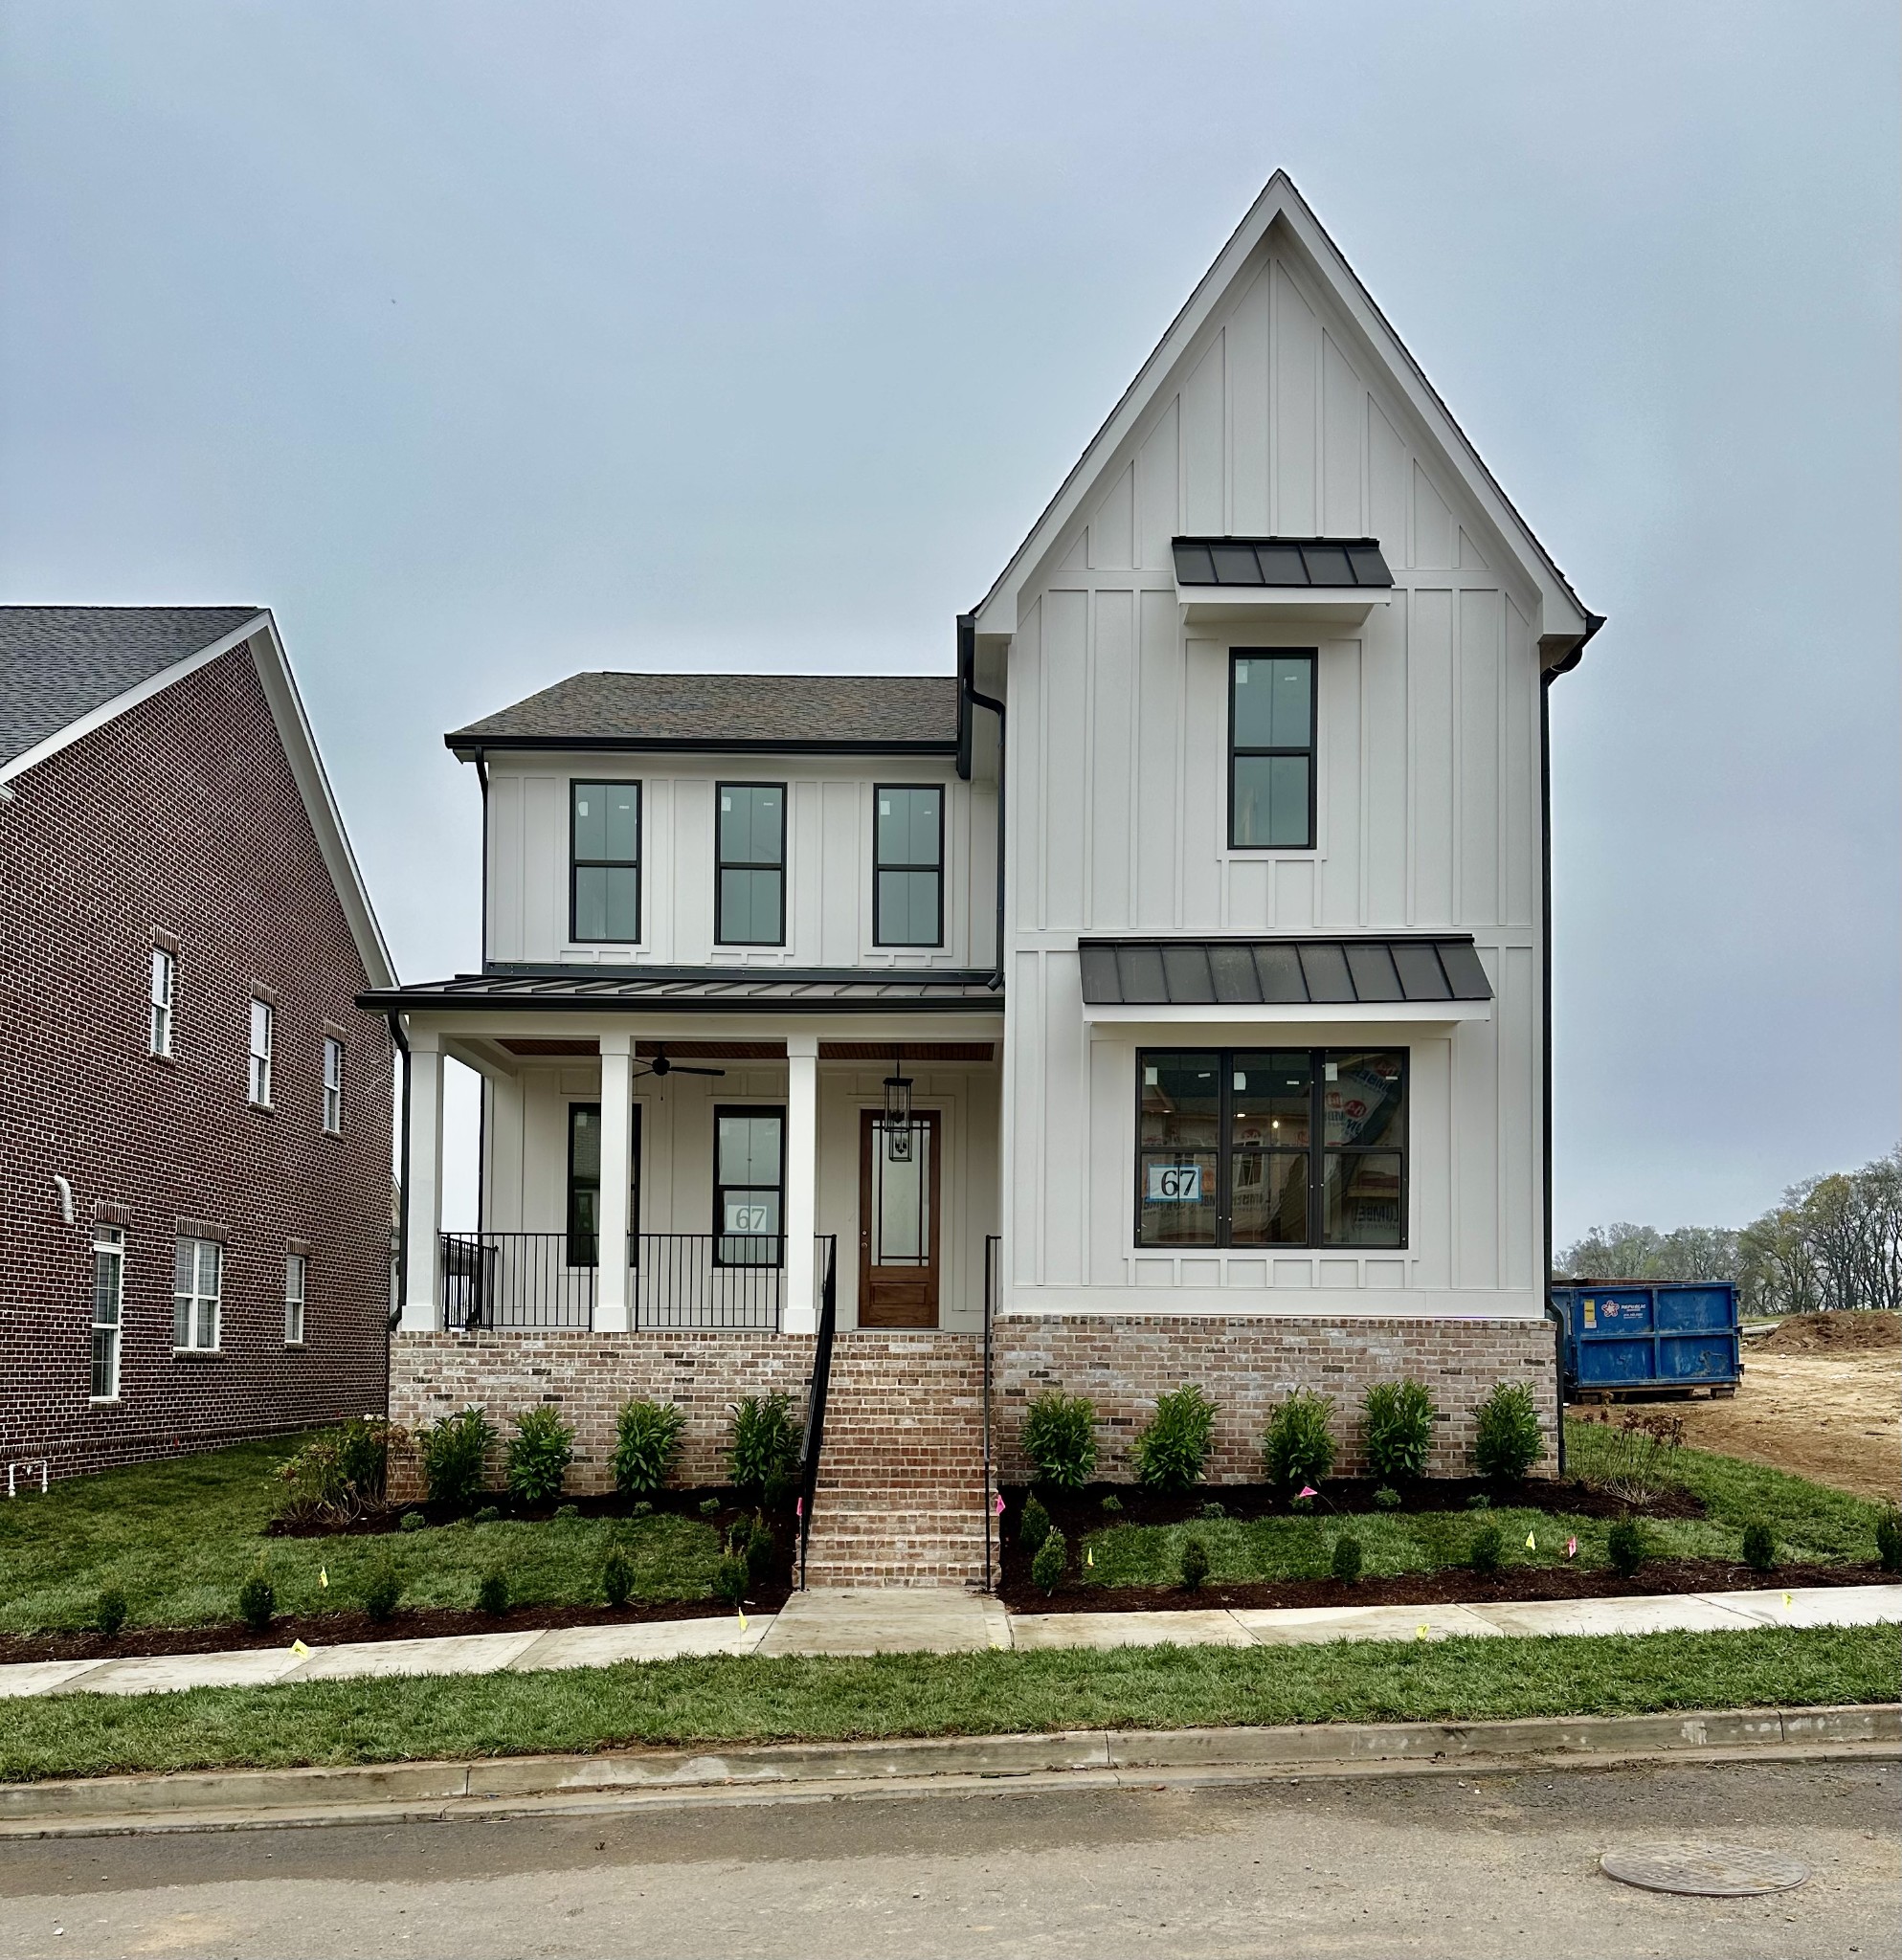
(604, 862)
(1271, 751)
(752, 876)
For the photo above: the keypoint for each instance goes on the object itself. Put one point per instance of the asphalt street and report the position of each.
(1422, 1865)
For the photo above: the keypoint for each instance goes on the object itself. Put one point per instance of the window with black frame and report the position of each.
(1272, 751)
(604, 853)
(748, 1185)
(584, 1180)
(751, 876)
(1227, 1142)
(907, 865)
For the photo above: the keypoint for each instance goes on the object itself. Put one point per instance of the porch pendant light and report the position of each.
(898, 1111)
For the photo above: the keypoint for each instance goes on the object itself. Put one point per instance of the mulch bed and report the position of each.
(728, 1507)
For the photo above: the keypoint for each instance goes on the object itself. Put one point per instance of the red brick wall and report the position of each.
(1123, 1362)
(181, 816)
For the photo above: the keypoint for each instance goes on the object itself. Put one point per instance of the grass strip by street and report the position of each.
(750, 1700)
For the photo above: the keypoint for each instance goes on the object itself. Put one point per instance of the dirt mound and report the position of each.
(1855, 1332)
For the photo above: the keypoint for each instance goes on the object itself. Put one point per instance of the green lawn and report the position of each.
(180, 1537)
(749, 1699)
(1813, 1526)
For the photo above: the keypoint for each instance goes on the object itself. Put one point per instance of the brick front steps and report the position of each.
(901, 1478)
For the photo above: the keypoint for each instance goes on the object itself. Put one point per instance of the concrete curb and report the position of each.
(493, 1786)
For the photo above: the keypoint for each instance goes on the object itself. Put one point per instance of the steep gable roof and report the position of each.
(1566, 623)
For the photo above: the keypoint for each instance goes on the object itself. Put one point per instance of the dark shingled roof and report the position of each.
(60, 662)
(593, 989)
(879, 712)
(1243, 973)
(1279, 562)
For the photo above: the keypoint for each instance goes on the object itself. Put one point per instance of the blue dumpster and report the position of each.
(1666, 1338)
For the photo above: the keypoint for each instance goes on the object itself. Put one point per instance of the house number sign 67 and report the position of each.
(744, 1218)
(1175, 1184)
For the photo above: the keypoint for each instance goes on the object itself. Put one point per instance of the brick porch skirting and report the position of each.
(1122, 1362)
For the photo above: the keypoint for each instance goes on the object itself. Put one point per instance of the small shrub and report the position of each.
(763, 1447)
(1888, 1541)
(1635, 1462)
(338, 1475)
(109, 1611)
(1111, 1502)
(644, 1510)
(1194, 1564)
(1214, 1511)
(730, 1580)
(382, 1588)
(1387, 1498)
(1399, 1428)
(1059, 1435)
(258, 1601)
(1298, 1445)
(488, 1515)
(492, 1593)
(616, 1577)
(539, 1453)
(1760, 1546)
(647, 1441)
(1625, 1547)
(1172, 1447)
(411, 1520)
(567, 1513)
(752, 1545)
(452, 1449)
(1507, 1437)
(1479, 1502)
(1033, 1527)
(1051, 1563)
(1302, 1504)
(709, 1506)
(1485, 1550)
(1347, 1558)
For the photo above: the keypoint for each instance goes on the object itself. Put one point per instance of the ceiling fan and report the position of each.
(660, 1065)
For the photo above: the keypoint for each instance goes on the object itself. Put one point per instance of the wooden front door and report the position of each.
(898, 1222)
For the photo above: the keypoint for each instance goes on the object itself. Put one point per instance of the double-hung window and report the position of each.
(1271, 1147)
(333, 1086)
(108, 1301)
(163, 976)
(263, 1030)
(296, 1272)
(1272, 751)
(907, 867)
(748, 1185)
(751, 876)
(604, 861)
(198, 1275)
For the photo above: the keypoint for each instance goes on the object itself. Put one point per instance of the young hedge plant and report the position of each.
(763, 1447)
(1195, 1564)
(647, 1443)
(1400, 1430)
(1888, 1541)
(539, 1453)
(452, 1449)
(1507, 1437)
(1298, 1445)
(1033, 1527)
(1172, 1446)
(1051, 1563)
(1058, 1436)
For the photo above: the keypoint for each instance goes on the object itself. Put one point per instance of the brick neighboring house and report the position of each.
(195, 1113)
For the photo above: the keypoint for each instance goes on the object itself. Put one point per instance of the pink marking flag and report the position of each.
(998, 1503)
(1308, 1490)
(1570, 1547)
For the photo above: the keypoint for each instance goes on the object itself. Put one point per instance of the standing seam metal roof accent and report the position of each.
(1253, 972)
(1259, 561)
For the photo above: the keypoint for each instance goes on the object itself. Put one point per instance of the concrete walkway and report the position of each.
(941, 1621)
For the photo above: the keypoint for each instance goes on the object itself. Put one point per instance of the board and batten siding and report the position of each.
(829, 835)
(1427, 817)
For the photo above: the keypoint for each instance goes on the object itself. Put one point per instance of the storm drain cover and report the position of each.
(1714, 1871)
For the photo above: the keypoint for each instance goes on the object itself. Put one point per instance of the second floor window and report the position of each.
(263, 1020)
(197, 1286)
(334, 1084)
(752, 894)
(164, 972)
(604, 880)
(907, 867)
(1272, 751)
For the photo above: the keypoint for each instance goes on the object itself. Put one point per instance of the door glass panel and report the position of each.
(902, 1197)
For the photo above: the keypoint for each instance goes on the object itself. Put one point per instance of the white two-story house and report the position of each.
(1161, 997)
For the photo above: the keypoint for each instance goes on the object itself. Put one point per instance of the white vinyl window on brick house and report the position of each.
(263, 1017)
(164, 972)
(333, 1086)
(296, 1271)
(199, 1274)
(108, 1300)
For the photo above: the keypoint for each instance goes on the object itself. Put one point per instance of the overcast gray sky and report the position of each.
(486, 343)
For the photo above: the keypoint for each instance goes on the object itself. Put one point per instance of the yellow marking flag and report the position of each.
(743, 1619)
(1531, 1543)
(323, 1576)
(301, 1652)
(1420, 1633)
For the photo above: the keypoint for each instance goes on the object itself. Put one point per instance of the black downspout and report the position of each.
(402, 1041)
(967, 667)
(1551, 1313)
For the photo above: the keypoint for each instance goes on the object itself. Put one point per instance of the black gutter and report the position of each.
(967, 668)
(402, 1041)
(660, 1002)
(698, 744)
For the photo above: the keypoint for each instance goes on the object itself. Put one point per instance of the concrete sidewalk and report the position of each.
(932, 1620)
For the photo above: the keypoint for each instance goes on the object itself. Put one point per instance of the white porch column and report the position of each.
(802, 1140)
(422, 1187)
(613, 1307)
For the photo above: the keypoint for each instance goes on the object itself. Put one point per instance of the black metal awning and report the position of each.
(591, 990)
(1279, 562)
(1255, 972)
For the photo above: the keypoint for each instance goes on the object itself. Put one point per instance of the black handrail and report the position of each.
(993, 1248)
(809, 1467)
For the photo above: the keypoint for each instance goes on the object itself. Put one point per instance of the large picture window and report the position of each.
(907, 867)
(1272, 751)
(1271, 1147)
(751, 877)
(748, 1185)
(604, 862)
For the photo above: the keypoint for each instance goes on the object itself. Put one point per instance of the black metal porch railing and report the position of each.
(827, 1250)
(514, 1280)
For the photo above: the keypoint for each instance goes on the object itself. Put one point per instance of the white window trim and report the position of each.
(164, 987)
(199, 1298)
(297, 1287)
(110, 1241)
(333, 1087)
(258, 1079)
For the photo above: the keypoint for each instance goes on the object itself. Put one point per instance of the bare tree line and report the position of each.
(1834, 1242)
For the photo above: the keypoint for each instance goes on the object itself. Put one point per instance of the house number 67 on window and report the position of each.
(744, 1218)
(1175, 1184)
